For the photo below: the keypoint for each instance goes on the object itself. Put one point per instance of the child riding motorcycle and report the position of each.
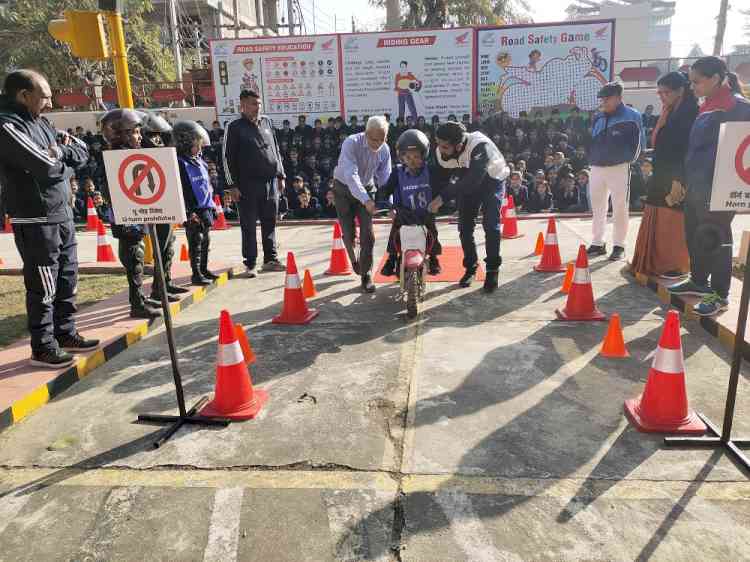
(409, 185)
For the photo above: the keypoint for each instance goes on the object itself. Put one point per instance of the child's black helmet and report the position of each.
(413, 139)
(186, 132)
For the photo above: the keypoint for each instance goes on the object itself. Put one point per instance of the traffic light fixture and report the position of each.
(84, 32)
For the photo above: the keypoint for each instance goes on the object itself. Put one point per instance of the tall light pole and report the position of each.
(721, 27)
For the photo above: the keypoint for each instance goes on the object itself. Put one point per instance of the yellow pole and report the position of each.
(120, 59)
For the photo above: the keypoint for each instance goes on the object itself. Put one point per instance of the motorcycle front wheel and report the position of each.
(412, 293)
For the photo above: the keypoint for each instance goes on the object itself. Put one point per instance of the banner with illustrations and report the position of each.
(408, 73)
(294, 75)
(542, 66)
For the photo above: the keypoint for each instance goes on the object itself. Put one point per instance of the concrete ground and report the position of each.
(485, 430)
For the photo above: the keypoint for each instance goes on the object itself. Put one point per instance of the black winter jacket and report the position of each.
(35, 183)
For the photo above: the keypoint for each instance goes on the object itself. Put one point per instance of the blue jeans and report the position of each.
(405, 98)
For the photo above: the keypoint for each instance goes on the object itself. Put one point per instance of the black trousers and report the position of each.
(130, 250)
(258, 202)
(709, 242)
(50, 274)
(348, 207)
(199, 239)
(468, 211)
(165, 237)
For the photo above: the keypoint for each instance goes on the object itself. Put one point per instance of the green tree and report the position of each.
(439, 13)
(26, 43)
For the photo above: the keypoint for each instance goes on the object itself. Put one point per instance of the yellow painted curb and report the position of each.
(23, 407)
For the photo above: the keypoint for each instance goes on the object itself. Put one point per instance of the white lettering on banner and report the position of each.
(582, 276)
(669, 361)
(229, 354)
(551, 239)
(292, 281)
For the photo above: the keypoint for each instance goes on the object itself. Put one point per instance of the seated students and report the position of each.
(540, 198)
(567, 200)
(518, 189)
(409, 184)
(328, 210)
(308, 207)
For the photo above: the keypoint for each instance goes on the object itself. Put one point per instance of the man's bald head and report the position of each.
(30, 89)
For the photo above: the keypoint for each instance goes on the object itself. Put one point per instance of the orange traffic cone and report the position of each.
(234, 396)
(663, 406)
(614, 344)
(184, 255)
(339, 260)
(247, 351)
(539, 248)
(551, 261)
(7, 228)
(221, 222)
(580, 305)
(92, 219)
(295, 309)
(103, 248)
(568, 281)
(308, 287)
(504, 208)
(510, 221)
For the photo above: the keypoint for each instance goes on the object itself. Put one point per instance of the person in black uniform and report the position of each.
(252, 163)
(157, 133)
(121, 129)
(35, 171)
(190, 138)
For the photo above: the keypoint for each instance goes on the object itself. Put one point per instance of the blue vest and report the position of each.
(413, 192)
(200, 181)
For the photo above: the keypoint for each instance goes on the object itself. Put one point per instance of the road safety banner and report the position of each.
(144, 185)
(731, 187)
(294, 75)
(408, 73)
(542, 66)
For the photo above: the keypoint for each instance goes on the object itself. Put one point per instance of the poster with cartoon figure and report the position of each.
(294, 75)
(408, 74)
(542, 66)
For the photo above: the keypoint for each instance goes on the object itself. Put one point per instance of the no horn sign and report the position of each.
(144, 185)
(731, 187)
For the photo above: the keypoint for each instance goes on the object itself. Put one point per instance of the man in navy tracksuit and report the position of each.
(35, 171)
(709, 233)
(617, 140)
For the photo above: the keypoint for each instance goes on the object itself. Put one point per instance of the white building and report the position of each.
(642, 28)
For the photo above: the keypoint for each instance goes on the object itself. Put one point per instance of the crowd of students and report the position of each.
(547, 156)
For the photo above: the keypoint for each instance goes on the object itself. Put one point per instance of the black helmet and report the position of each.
(413, 139)
(186, 132)
(451, 132)
(117, 121)
(153, 124)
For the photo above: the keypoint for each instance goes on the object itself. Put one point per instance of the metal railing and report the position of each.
(150, 94)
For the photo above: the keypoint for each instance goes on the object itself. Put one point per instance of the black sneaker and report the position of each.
(595, 250)
(175, 290)
(434, 266)
(367, 285)
(690, 288)
(490, 282)
(389, 267)
(52, 358)
(209, 275)
(145, 311)
(199, 280)
(76, 342)
(468, 277)
(618, 252)
(251, 271)
(273, 265)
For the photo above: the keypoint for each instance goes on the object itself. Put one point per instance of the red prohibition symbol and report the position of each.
(144, 171)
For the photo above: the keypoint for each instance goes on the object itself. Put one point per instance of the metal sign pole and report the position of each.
(723, 438)
(188, 416)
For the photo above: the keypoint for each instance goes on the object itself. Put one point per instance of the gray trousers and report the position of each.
(348, 207)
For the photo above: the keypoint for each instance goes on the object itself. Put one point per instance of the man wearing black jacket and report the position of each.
(477, 170)
(252, 164)
(35, 171)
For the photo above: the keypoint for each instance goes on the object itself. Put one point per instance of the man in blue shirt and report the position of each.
(617, 140)
(364, 158)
